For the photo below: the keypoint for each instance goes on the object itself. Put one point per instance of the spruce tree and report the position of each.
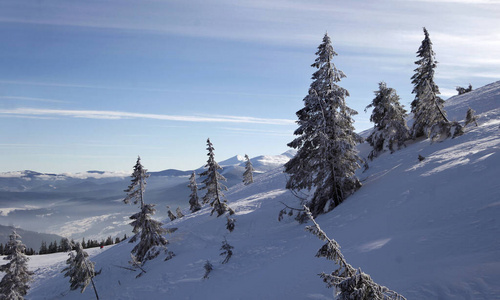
(389, 117)
(194, 203)
(350, 284)
(427, 107)
(178, 213)
(470, 117)
(147, 230)
(212, 183)
(248, 174)
(15, 282)
(135, 191)
(326, 158)
(150, 234)
(66, 245)
(80, 270)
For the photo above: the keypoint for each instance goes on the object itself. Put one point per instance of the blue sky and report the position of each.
(89, 85)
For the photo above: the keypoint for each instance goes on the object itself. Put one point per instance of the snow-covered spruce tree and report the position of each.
(389, 117)
(427, 107)
(170, 214)
(248, 174)
(178, 213)
(326, 156)
(135, 190)
(66, 245)
(212, 183)
(15, 282)
(194, 203)
(80, 270)
(349, 283)
(470, 117)
(150, 234)
(148, 230)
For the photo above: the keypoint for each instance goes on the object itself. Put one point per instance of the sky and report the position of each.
(90, 85)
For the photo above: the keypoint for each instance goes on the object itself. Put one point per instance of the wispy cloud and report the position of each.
(118, 115)
(15, 98)
(257, 131)
(123, 88)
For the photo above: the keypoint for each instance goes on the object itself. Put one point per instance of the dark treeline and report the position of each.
(66, 245)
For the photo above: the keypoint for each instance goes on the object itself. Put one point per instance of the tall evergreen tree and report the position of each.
(389, 117)
(212, 183)
(15, 282)
(427, 107)
(135, 190)
(80, 270)
(147, 230)
(326, 156)
(194, 203)
(248, 174)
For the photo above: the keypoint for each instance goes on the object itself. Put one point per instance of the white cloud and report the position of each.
(31, 99)
(118, 115)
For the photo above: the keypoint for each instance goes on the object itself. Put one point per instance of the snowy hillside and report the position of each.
(428, 230)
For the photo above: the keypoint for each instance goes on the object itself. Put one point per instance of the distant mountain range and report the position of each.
(30, 238)
(88, 204)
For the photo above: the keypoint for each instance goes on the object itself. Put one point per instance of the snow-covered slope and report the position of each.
(428, 230)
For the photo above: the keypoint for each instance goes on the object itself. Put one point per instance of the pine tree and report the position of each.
(178, 213)
(326, 156)
(149, 231)
(66, 245)
(15, 282)
(248, 174)
(170, 214)
(109, 241)
(389, 117)
(427, 107)
(135, 190)
(80, 270)
(150, 234)
(350, 284)
(212, 183)
(470, 117)
(43, 248)
(194, 203)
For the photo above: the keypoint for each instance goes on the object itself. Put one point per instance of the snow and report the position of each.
(427, 230)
